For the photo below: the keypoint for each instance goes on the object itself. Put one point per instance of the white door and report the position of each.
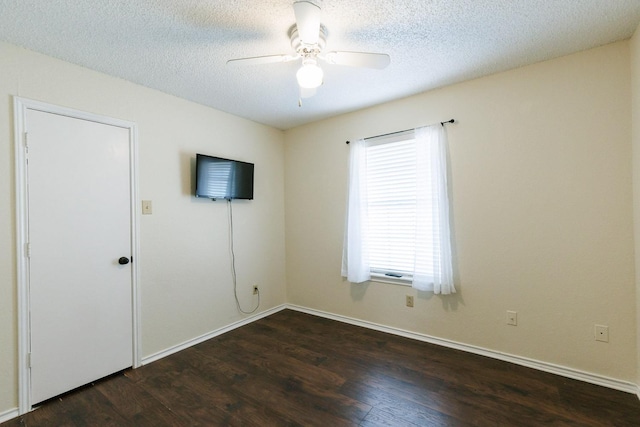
(79, 225)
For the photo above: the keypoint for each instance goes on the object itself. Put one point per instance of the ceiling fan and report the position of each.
(308, 40)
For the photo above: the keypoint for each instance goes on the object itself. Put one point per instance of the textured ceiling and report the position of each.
(181, 46)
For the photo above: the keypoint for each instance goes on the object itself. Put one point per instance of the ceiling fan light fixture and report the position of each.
(309, 76)
(308, 40)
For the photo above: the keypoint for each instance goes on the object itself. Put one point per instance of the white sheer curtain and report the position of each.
(433, 269)
(355, 254)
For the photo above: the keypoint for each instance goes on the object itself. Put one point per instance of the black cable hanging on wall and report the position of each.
(406, 130)
(233, 263)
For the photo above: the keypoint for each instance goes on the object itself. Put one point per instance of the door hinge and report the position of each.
(28, 250)
(26, 142)
(29, 360)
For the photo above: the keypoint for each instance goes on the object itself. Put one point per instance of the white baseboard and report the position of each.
(171, 350)
(9, 415)
(518, 360)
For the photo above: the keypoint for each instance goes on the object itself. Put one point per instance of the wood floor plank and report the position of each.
(396, 407)
(295, 369)
(482, 376)
(135, 404)
(218, 383)
(294, 397)
(84, 408)
(262, 358)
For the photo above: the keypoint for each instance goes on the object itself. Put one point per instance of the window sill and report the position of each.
(382, 278)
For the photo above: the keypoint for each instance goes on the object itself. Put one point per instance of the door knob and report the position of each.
(123, 260)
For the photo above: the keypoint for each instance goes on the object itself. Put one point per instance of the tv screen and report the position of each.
(218, 178)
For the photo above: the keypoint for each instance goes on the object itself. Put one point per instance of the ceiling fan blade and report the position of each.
(358, 59)
(307, 21)
(307, 92)
(269, 59)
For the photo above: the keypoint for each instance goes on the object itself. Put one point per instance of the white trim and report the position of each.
(518, 360)
(19, 119)
(197, 340)
(20, 107)
(530, 363)
(9, 415)
(135, 247)
(400, 281)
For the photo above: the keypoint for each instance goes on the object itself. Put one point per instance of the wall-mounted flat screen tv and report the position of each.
(218, 178)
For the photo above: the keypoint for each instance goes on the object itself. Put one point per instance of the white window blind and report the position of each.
(391, 183)
(397, 221)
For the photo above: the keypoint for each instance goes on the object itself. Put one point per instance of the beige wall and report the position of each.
(542, 206)
(186, 288)
(635, 129)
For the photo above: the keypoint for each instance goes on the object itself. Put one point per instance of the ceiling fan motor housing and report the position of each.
(308, 50)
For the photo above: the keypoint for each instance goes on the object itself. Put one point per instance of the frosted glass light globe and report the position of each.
(309, 76)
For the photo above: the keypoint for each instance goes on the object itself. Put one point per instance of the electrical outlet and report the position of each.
(409, 301)
(255, 289)
(602, 333)
(512, 318)
(147, 207)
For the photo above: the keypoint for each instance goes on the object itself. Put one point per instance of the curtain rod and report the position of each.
(400, 131)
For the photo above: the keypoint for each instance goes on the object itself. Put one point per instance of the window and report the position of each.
(398, 213)
(391, 204)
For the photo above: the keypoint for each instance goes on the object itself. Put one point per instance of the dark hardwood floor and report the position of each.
(300, 370)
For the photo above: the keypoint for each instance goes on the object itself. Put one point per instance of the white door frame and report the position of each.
(20, 108)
